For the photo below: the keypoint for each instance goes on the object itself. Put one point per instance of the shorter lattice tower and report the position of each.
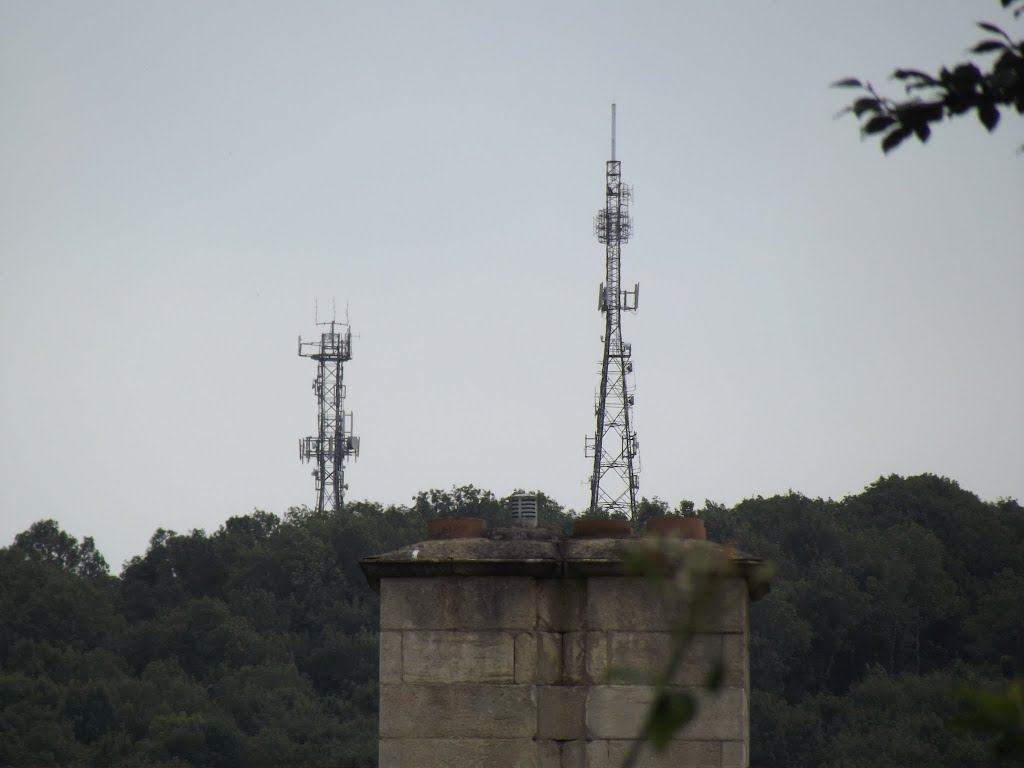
(334, 442)
(614, 447)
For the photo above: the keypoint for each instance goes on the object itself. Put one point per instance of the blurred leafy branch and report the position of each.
(694, 575)
(932, 98)
(999, 714)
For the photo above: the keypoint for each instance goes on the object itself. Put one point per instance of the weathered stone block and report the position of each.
(732, 613)
(466, 710)
(538, 658)
(641, 657)
(596, 755)
(735, 659)
(458, 657)
(692, 754)
(561, 604)
(734, 754)
(549, 658)
(560, 712)
(619, 712)
(627, 604)
(526, 658)
(391, 657)
(458, 603)
(574, 754)
(721, 716)
(596, 658)
(574, 658)
(549, 755)
(389, 753)
(459, 753)
(624, 603)
(496, 670)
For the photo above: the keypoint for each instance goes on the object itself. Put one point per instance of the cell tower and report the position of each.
(334, 442)
(615, 480)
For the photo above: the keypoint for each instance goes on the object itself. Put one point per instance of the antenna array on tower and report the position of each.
(334, 442)
(614, 447)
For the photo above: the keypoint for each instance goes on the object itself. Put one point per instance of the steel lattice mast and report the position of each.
(334, 441)
(615, 479)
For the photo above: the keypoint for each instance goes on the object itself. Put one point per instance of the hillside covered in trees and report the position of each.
(256, 644)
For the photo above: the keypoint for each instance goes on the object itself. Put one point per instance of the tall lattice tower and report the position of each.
(614, 447)
(334, 442)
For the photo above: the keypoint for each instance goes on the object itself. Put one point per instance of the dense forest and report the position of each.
(256, 645)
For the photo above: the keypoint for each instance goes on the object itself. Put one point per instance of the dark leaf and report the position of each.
(919, 86)
(916, 112)
(716, 676)
(894, 139)
(1009, 62)
(966, 76)
(922, 131)
(931, 113)
(988, 113)
(957, 105)
(905, 74)
(860, 106)
(672, 710)
(992, 28)
(848, 82)
(987, 46)
(878, 124)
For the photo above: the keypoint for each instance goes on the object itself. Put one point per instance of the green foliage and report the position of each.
(648, 509)
(192, 739)
(902, 720)
(256, 644)
(45, 541)
(466, 501)
(951, 92)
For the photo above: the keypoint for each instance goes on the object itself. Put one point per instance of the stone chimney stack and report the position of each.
(523, 649)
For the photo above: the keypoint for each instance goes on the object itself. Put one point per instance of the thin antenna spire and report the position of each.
(614, 483)
(613, 131)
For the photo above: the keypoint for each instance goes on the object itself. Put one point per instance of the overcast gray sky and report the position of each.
(180, 181)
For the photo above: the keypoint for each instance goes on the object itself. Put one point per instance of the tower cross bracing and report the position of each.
(334, 442)
(614, 481)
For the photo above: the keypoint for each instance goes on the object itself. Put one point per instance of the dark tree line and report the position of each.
(884, 606)
(256, 645)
